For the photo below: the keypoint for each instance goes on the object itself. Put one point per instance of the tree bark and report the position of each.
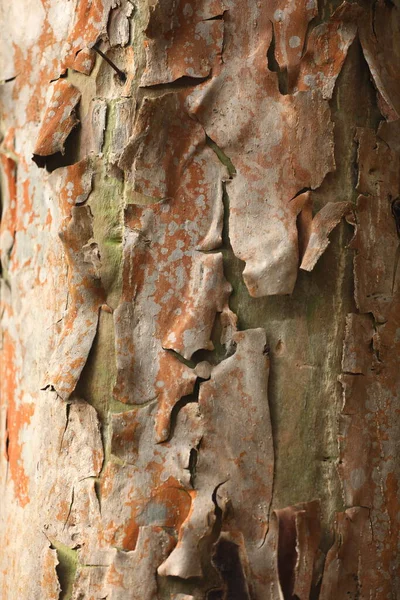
(200, 302)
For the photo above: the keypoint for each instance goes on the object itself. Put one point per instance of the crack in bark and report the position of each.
(70, 508)
(273, 65)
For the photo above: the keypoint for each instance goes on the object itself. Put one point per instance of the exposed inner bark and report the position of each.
(199, 244)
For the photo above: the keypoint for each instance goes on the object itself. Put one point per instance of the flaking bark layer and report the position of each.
(179, 317)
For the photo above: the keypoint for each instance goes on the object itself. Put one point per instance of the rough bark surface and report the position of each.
(200, 300)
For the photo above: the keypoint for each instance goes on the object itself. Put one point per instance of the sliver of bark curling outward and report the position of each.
(214, 145)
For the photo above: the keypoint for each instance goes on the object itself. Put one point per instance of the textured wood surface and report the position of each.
(200, 304)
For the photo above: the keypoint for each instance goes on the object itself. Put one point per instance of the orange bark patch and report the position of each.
(168, 506)
(17, 418)
(59, 119)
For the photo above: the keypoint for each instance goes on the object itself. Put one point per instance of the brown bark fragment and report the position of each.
(90, 24)
(188, 467)
(124, 114)
(269, 168)
(49, 582)
(235, 396)
(183, 39)
(136, 571)
(118, 24)
(368, 460)
(348, 572)
(376, 239)
(321, 226)
(308, 533)
(284, 565)
(59, 119)
(357, 348)
(83, 62)
(93, 126)
(379, 31)
(150, 483)
(326, 50)
(85, 298)
(290, 23)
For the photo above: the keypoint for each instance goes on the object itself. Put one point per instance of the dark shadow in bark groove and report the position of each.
(57, 160)
(226, 559)
(274, 67)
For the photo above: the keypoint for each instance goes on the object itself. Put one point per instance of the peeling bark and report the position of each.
(199, 244)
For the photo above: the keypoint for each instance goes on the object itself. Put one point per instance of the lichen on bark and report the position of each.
(199, 300)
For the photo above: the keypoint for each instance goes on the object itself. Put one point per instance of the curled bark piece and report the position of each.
(285, 563)
(171, 290)
(228, 321)
(235, 395)
(264, 565)
(59, 118)
(72, 185)
(308, 534)
(290, 23)
(185, 560)
(262, 222)
(208, 294)
(304, 220)
(86, 296)
(350, 568)
(183, 39)
(8, 220)
(327, 48)
(322, 224)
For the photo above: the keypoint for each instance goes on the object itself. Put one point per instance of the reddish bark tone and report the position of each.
(200, 304)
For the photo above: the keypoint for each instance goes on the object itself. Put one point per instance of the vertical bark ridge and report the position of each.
(199, 301)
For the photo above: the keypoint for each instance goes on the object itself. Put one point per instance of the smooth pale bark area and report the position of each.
(200, 306)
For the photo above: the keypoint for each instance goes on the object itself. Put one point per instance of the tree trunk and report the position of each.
(200, 309)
